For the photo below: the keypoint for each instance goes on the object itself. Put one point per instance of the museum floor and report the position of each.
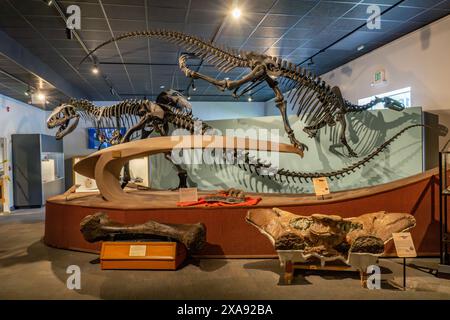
(31, 270)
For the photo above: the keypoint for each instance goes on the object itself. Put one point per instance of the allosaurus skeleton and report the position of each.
(314, 101)
(142, 117)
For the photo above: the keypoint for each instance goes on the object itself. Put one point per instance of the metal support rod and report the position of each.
(441, 252)
(404, 274)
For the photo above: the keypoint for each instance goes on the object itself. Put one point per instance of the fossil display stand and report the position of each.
(142, 255)
(293, 259)
(228, 234)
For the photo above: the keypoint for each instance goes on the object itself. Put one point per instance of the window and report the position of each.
(402, 95)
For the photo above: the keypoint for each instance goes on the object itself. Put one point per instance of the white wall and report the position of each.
(419, 60)
(21, 118)
(75, 144)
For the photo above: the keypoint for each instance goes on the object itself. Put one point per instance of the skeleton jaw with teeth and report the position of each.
(62, 118)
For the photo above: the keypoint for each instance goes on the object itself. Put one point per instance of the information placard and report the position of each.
(321, 187)
(188, 194)
(404, 245)
(138, 250)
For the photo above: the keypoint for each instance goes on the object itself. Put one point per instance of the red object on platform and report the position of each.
(249, 201)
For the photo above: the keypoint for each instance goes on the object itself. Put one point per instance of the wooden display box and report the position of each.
(142, 255)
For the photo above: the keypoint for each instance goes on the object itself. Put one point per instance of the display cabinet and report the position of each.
(38, 169)
(444, 181)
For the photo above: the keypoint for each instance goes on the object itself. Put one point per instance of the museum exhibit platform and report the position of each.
(228, 234)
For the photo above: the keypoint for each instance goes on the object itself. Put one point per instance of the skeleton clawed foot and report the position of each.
(299, 145)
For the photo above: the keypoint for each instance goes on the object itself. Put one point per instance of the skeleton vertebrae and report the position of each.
(314, 101)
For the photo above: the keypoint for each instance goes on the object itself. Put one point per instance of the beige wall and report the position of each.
(420, 60)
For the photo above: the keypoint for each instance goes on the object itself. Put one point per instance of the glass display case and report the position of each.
(38, 169)
(52, 166)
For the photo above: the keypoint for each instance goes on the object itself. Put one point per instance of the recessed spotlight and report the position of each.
(361, 47)
(49, 2)
(189, 98)
(162, 87)
(250, 99)
(227, 78)
(95, 70)
(236, 13)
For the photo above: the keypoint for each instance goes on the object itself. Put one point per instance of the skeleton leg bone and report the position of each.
(342, 137)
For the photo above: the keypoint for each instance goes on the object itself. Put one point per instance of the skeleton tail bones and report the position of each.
(257, 166)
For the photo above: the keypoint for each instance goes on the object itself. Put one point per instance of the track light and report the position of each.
(29, 92)
(41, 96)
(95, 70)
(236, 13)
(194, 88)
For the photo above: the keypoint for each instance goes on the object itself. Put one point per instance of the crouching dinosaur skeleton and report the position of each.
(142, 117)
(314, 101)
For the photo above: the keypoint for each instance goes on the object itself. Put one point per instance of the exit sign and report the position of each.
(379, 77)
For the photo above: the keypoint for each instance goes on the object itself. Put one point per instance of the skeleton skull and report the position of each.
(62, 117)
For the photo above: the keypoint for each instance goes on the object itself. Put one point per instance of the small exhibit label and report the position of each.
(404, 245)
(321, 187)
(188, 194)
(138, 250)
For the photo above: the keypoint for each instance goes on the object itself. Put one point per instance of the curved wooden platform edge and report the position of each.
(228, 234)
(105, 165)
(157, 199)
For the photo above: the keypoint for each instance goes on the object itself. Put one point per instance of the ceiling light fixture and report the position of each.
(250, 99)
(40, 96)
(29, 92)
(162, 87)
(49, 2)
(95, 70)
(194, 88)
(189, 97)
(361, 47)
(236, 13)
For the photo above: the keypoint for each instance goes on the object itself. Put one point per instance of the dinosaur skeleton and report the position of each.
(142, 117)
(314, 101)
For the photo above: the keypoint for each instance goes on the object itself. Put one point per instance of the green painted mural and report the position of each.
(368, 130)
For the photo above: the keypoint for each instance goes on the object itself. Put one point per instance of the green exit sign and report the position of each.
(379, 76)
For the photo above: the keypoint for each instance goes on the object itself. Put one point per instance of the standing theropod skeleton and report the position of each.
(314, 101)
(142, 117)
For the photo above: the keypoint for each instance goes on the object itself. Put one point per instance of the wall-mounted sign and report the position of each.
(379, 77)
(188, 194)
